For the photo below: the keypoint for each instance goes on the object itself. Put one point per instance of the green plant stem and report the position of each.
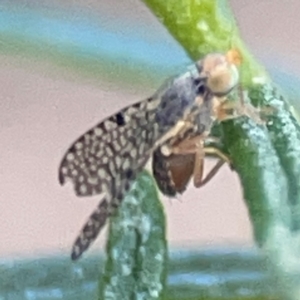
(205, 26)
(266, 159)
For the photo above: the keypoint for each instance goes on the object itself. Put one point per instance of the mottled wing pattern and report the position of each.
(106, 160)
(118, 144)
(92, 227)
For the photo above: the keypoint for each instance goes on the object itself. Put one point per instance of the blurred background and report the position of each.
(64, 66)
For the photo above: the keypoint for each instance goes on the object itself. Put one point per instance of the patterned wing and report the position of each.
(118, 145)
(106, 160)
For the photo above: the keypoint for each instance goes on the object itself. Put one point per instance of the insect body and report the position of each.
(106, 159)
(173, 171)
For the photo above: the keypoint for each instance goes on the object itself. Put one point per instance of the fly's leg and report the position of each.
(225, 110)
(190, 145)
(180, 127)
(218, 153)
(258, 115)
(211, 173)
(198, 179)
(199, 165)
(223, 158)
(195, 146)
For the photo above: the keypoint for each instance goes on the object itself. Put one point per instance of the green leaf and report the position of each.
(136, 248)
(263, 180)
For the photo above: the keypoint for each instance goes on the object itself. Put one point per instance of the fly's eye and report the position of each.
(201, 89)
(200, 85)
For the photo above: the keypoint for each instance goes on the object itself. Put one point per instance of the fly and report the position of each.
(173, 122)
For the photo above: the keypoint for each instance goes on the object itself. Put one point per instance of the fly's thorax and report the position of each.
(184, 109)
(179, 98)
(198, 121)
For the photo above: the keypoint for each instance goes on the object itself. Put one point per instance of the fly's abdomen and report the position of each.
(172, 173)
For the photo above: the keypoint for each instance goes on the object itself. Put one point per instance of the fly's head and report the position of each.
(220, 71)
